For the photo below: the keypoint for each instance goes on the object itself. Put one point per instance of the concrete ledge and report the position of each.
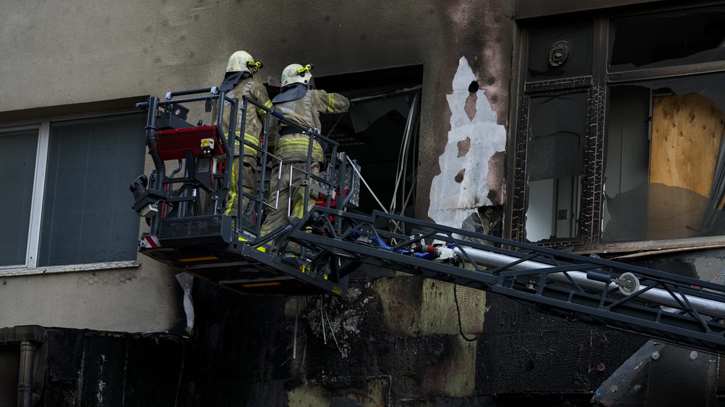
(17, 334)
(68, 269)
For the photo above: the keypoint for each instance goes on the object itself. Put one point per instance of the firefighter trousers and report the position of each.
(291, 196)
(249, 185)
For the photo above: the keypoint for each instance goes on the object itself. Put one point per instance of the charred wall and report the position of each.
(74, 367)
(394, 341)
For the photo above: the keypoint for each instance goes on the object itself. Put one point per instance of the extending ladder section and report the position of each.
(657, 304)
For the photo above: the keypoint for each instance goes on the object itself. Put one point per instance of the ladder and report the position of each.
(656, 304)
(228, 249)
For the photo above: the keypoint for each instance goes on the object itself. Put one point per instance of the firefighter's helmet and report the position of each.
(241, 61)
(297, 73)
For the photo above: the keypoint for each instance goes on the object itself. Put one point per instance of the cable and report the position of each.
(366, 184)
(402, 165)
(458, 311)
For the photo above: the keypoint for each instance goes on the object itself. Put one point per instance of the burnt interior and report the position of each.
(668, 39)
(372, 131)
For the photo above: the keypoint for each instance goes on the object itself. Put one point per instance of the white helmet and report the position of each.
(297, 73)
(241, 61)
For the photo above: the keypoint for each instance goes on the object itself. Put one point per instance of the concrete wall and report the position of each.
(138, 299)
(398, 336)
(85, 57)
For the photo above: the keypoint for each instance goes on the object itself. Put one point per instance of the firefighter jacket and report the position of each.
(306, 111)
(255, 117)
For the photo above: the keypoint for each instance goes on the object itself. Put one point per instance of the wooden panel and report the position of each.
(686, 136)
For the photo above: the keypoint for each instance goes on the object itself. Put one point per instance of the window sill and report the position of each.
(653, 247)
(24, 271)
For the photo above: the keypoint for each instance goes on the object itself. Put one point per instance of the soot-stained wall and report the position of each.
(92, 368)
(394, 341)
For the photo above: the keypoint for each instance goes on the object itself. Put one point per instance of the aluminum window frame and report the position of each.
(41, 155)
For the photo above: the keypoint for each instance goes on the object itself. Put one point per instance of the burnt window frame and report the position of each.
(588, 239)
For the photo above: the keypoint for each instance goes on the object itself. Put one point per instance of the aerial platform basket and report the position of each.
(191, 227)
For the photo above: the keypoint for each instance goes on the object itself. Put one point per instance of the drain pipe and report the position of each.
(25, 374)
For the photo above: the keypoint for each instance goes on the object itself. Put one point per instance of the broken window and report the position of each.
(665, 160)
(555, 165)
(560, 52)
(380, 131)
(668, 39)
(643, 120)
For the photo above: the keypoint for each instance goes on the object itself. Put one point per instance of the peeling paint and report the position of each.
(464, 146)
(452, 202)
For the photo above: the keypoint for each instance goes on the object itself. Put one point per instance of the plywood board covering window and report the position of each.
(686, 136)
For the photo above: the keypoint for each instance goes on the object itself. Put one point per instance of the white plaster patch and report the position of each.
(452, 202)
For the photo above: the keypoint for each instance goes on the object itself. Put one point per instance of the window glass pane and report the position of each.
(17, 172)
(668, 39)
(87, 215)
(560, 52)
(558, 126)
(665, 160)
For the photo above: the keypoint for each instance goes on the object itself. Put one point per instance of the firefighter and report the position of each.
(300, 103)
(239, 81)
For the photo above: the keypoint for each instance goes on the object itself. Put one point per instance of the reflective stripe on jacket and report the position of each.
(294, 147)
(306, 112)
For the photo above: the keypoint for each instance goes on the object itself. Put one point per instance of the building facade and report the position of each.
(589, 126)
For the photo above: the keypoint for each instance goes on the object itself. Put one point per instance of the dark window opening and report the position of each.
(668, 39)
(379, 132)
